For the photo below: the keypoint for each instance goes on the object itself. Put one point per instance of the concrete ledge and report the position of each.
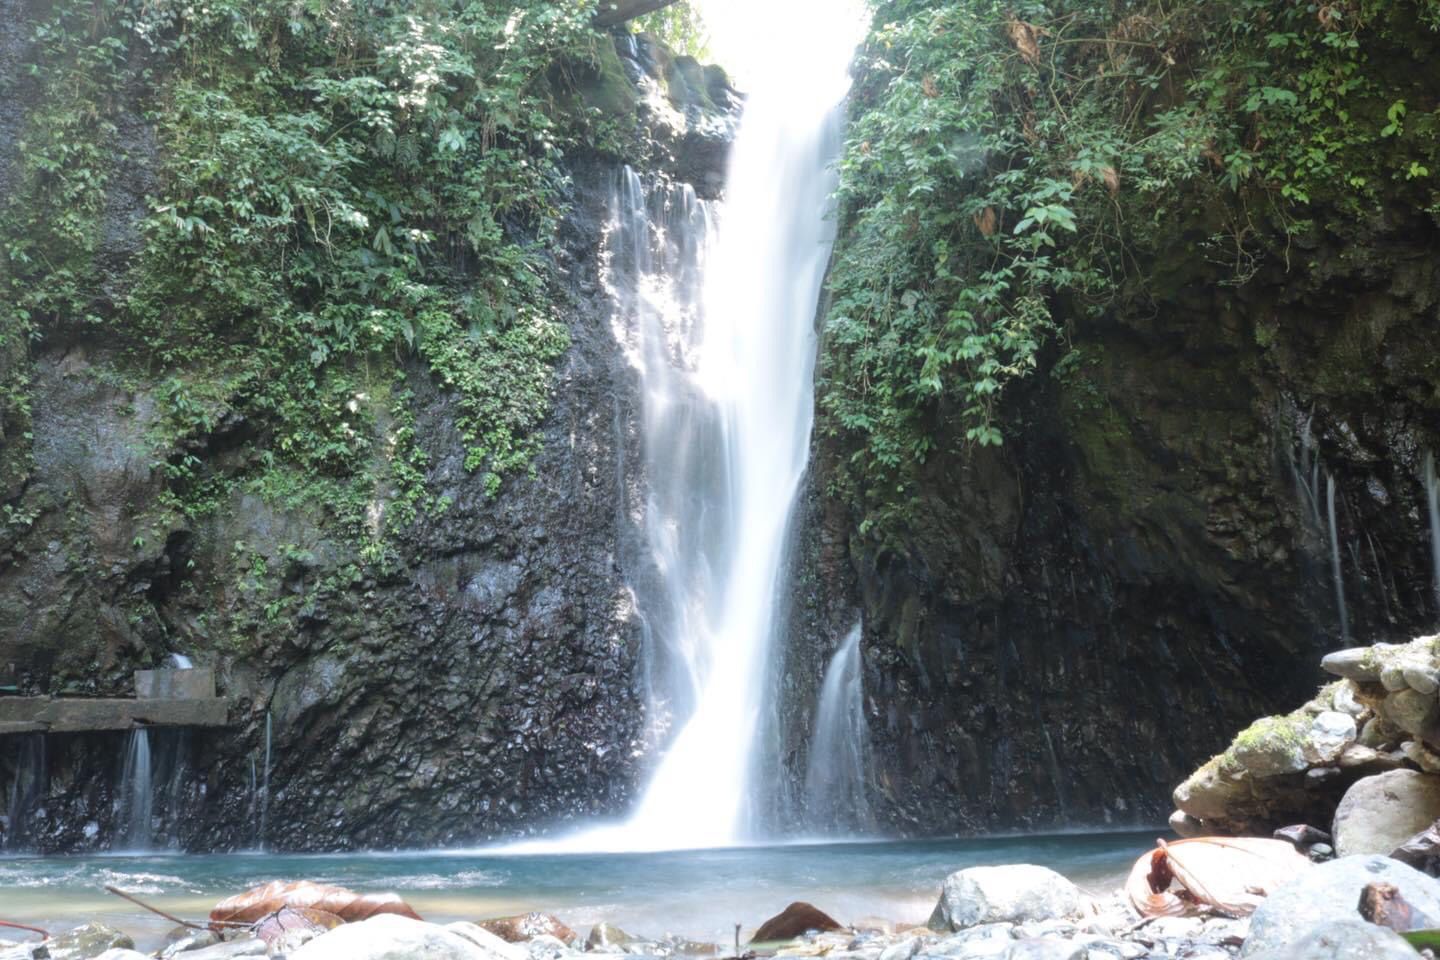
(18, 727)
(42, 714)
(197, 683)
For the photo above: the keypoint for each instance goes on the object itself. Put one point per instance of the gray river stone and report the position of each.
(1380, 813)
(1045, 948)
(248, 947)
(1331, 891)
(82, 943)
(1344, 940)
(1356, 663)
(1016, 893)
(389, 937)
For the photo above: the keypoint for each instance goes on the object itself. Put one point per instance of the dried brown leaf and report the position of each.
(1231, 875)
(1026, 40)
(292, 919)
(349, 906)
(986, 221)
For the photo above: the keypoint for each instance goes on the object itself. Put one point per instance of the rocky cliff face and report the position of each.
(1083, 618)
(1088, 613)
(481, 681)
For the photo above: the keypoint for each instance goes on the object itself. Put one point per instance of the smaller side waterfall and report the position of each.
(27, 789)
(137, 794)
(265, 785)
(1432, 505)
(836, 773)
(1335, 567)
(152, 794)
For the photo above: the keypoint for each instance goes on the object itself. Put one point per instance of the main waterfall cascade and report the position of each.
(716, 310)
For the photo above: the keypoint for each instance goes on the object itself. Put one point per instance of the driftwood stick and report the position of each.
(22, 926)
(155, 910)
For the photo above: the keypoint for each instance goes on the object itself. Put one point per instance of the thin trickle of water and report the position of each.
(265, 787)
(1306, 471)
(181, 662)
(1432, 506)
(137, 794)
(837, 770)
(254, 798)
(1335, 565)
(27, 790)
(1380, 577)
(174, 766)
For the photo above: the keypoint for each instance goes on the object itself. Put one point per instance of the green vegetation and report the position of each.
(1014, 171)
(679, 27)
(342, 193)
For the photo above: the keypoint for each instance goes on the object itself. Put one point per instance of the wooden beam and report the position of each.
(615, 12)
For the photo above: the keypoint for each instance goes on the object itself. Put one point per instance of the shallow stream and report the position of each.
(699, 895)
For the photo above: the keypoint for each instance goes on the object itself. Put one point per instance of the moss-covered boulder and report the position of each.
(1285, 769)
(1382, 715)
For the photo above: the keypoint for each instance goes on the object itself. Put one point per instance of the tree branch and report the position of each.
(615, 12)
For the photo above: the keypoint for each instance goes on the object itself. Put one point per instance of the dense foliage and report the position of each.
(1012, 169)
(680, 27)
(340, 191)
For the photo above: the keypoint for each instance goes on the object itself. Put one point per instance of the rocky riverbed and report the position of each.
(1351, 780)
(1014, 912)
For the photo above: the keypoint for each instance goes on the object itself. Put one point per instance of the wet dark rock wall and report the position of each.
(1093, 610)
(482, 681)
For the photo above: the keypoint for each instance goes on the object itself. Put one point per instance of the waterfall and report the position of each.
(1335, 568)
(137, 794)
(756, 359)
(836, 771)
(27, 789)
(1432, 505)
(716, 310)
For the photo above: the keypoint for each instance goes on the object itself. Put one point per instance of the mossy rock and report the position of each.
(604, 86)
(1272, 746)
